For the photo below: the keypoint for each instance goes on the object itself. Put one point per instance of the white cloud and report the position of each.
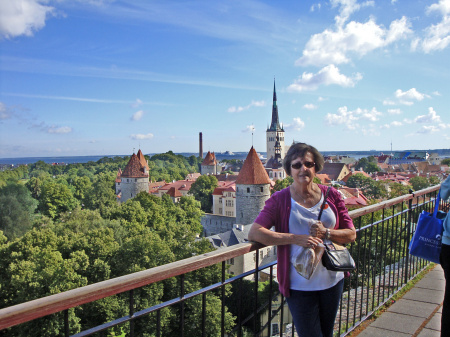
(370, 130)
(59, 129)
(22, 17)
(437, 36)
(396, 123)
(137, 115)
(428, 129)
(137, 103)
(431, 117)
(372, 115)
(141, 136)
(326, 76)
(436, 93)
(314, 7)
(394, 111)
(406, 97)
(310, 106)
(234, 109)
(342, 117)
(350, 118)
(321, 99)
(347, 8)
(249, 128)
(388, 102)
(4, 112)
(297, 125)
(333, 47)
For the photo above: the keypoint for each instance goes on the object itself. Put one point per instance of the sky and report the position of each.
(106, 77)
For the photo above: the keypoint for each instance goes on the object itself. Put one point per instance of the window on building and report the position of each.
(262, 189)
(275, 329)
(248, 189)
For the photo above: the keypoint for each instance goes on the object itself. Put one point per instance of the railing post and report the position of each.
(408, 236)
(66, 323)
(131, 309)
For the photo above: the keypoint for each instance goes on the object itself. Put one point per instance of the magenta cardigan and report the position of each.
(276, 213)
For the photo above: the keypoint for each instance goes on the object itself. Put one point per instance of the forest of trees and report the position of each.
(62, 228)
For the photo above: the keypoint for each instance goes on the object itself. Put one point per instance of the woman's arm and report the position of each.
(445, 189)
(267, 237)
(342, 236)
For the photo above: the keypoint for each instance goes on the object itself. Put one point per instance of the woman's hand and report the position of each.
(307, 241)
(318, 229)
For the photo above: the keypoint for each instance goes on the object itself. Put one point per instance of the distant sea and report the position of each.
(444, 153)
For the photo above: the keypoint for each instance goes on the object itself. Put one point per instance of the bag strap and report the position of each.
(323, 203)
(436, 205)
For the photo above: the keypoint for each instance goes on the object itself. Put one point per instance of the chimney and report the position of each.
(200, 145)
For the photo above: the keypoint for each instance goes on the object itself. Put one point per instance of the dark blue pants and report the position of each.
(445, 318)
(314, 312)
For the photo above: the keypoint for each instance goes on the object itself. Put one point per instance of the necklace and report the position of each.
(303, 199)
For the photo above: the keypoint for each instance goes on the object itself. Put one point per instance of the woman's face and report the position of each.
(303, 169)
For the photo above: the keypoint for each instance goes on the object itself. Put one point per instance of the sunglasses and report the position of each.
(298, 165)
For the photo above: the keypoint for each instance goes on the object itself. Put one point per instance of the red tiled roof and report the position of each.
(181, 185)
(210, 159)
(174, 193)
(118, 177)
(225, 186)
(134, 169)
(353, 173)
(253, 171)
(142, 160)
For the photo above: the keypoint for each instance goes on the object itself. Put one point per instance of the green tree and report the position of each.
(102, 195)
(445, 161)
(202, 190)
(56, 199)
(433, 180)
(17, 208)
(282, 183)
(397, 190)
(419, 183)
(372, 167)
(362, 164)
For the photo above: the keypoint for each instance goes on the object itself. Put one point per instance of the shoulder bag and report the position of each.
(427, 239)
(336, 257)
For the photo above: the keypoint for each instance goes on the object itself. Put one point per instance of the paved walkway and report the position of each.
(417, 313)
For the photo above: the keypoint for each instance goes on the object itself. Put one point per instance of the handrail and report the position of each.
(28, 311)
(40, 307)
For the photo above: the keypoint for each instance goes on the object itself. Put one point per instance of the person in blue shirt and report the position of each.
(445, 262)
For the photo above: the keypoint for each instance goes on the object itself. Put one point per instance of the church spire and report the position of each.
(275, 125)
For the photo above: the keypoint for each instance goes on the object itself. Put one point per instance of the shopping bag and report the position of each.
(427, 239)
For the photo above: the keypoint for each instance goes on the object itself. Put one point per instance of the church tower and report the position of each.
(252, 189)
(275, 131)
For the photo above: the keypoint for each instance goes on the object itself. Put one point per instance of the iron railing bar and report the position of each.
(131, 308)
(222, 329)
(204, 315)
(66, 323)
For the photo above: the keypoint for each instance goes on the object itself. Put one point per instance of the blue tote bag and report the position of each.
(427, 239)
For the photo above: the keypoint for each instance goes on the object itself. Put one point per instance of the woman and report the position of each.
(445, 262)
(313, 303)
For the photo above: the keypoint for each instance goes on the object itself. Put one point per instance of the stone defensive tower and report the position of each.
(252, 189)
(209, 164)
(134, 178)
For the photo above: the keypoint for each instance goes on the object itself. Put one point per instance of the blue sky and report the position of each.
(104, 77)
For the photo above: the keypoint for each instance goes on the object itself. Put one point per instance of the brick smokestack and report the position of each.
(200, 145)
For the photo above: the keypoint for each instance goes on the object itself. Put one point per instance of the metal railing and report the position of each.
(384, 266)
